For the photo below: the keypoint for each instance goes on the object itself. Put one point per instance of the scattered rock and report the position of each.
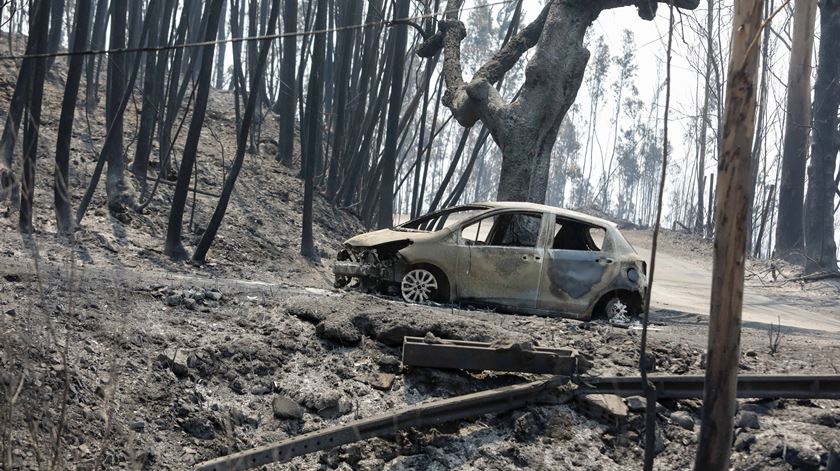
(748, 419)
(285, 408)
(199, 427)
(138, 426)
(636, 403)
(744, 441)
(381, 381)
(682, 419)
(173, 300)
(603, 406)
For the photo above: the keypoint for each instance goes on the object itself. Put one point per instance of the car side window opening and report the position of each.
(574, 235)
(504, 230)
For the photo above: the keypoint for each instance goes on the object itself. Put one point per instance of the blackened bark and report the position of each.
(148, 115)
(119, 195)
(174, 248)
(311, 141)
(220, 55)
(61, 188)
(389, 156)
(18, 103)
(819, 202)
(219, 213)
(33, 118)
(56, 23)
(342, 83)
(288, 88)
(97, 42)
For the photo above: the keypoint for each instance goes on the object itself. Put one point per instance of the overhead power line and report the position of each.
(94, 52)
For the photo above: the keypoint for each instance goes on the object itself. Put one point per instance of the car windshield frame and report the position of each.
(471, 211)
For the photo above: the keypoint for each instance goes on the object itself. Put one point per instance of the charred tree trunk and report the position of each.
(389, 156)
(342, 84)
(220, 55)
(790, 232)
(731, 212)
(18, 103)
(56, 23)
(216, 221)
(288, 88)
(119, 194)
(820, 247)
(151, 81)
(61, 189)
(311, 141)
(97, 42)
(704, 116)
(33, 117)
(174, 248)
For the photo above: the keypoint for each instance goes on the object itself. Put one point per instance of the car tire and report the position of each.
(420, 285)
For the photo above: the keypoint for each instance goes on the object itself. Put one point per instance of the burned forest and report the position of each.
(419, 234)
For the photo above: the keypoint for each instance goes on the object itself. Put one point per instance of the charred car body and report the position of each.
(515, 256)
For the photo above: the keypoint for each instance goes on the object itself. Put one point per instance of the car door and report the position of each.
(574, 267)
(500, 259)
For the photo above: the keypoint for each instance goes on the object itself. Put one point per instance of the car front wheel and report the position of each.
(419, 286)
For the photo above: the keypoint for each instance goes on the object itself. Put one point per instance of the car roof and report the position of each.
(543, 208)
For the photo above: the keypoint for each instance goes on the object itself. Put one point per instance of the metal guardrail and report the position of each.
(422, 415)
(749, 386)
(478, 356)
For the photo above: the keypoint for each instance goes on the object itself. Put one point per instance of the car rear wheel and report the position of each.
(419, 286)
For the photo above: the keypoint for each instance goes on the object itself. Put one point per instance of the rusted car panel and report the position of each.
(523, 256)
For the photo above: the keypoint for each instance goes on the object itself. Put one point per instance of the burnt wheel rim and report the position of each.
(617, 310)
(418, 286)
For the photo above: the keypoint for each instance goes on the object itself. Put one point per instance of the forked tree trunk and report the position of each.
(174, 248)
(731, 223)
(525, 130)
(18, 103)
(820, 247)
(61, 190)
(790, 240)
(216, 221)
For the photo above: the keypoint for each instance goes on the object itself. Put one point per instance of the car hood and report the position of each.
(384, 236)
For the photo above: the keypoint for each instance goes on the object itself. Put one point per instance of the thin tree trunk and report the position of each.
(313, 149)
(219, 213)
(220, 55)
(117, 189)
(768, 203)
(734, 168)
(148, 115)
(33, 117)
(386, 200)
(704, 116)
(97, 42)
(288, 88)
(174, 248)
(790, 235)
(61, 189)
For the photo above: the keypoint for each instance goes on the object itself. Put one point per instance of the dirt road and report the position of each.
(683, 282)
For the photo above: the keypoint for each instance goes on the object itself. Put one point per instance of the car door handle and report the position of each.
(531, 258)
(604, 261)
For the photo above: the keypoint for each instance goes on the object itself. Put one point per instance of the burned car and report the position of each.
(521, 257)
